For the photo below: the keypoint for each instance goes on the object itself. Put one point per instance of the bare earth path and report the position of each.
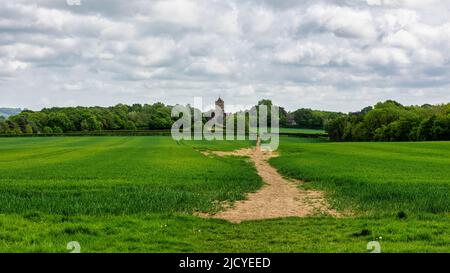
(278, 198)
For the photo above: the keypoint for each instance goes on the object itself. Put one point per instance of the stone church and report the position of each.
(220, 104)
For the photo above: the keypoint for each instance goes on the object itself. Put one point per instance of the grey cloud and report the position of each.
(337, 55)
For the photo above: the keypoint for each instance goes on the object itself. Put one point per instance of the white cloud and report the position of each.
(402, 38)
(8, 67)
(209, 66)
(303, 54)
(342, 21)
(385, 56)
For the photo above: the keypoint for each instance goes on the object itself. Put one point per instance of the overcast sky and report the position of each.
(322, 54)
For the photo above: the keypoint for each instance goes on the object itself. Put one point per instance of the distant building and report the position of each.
(291, 120)
(220, 104)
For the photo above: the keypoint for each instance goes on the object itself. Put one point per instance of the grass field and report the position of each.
(138, 194)
(301, 131)
(117, 175)
(379, 178)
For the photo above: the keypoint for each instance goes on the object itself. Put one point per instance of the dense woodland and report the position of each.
(78, 119)
(386, 121)
(391, 121)
(312, 119)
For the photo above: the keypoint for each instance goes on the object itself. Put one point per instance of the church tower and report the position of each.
(220, 115)
(220, 104)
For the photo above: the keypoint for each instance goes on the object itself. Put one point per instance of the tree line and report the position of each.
(59, 120)
(157, 116)
(386, 121)
(303, 118)
(311, 119)
(391, 121)
(83, 119)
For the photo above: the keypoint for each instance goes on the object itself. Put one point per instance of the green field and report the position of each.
(117, 175)
(138, 194)
(374, 178)
(301, 131)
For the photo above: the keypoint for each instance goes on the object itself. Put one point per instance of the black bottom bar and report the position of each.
(222, 262)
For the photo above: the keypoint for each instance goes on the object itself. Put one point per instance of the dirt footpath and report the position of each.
(279, 197)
